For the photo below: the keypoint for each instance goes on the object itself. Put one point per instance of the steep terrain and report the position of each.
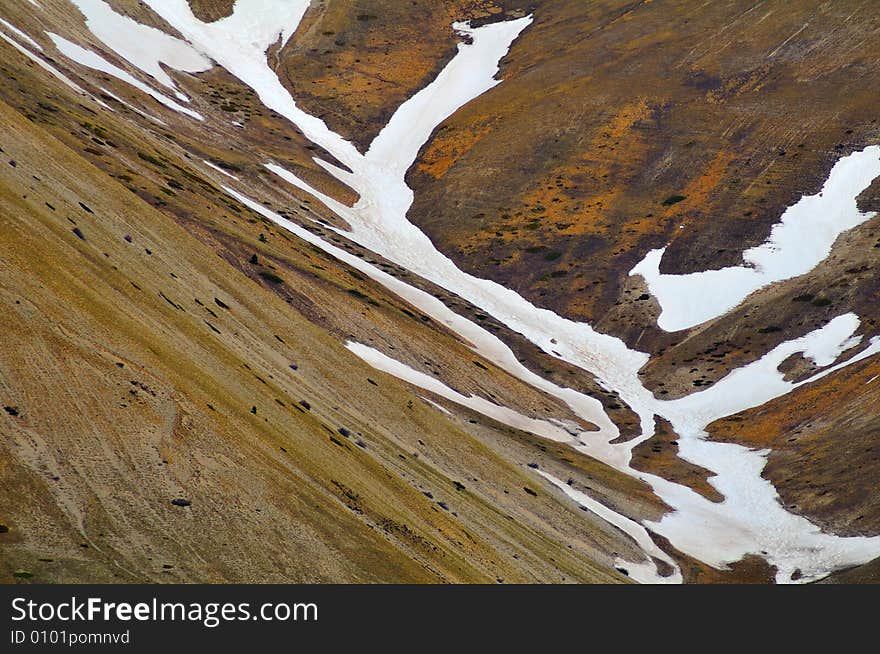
(210, 273)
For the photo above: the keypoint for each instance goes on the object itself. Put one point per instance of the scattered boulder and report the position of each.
(179, 501)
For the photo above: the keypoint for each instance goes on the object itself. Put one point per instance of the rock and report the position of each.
(179, 501)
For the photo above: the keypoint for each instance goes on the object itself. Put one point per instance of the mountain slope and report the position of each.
(209, 268)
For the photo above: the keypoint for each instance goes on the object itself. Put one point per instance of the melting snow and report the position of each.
(219, 169)
(143, 46)
(797, 244)
(91, 60)
(131, 106)
(481, 405)
(21, 35)
(51, 69)
(645, 572)
(751, 519)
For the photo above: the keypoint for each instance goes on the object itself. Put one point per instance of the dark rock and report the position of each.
(178, 501)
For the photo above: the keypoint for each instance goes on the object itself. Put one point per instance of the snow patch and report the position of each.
(92, 60)
(797, 244)
(145, 47)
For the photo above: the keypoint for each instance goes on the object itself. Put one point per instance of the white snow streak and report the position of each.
(496, 412)
(145, 47)
(219, 169)
(94, 61)
(51, 69)
(21, 35)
